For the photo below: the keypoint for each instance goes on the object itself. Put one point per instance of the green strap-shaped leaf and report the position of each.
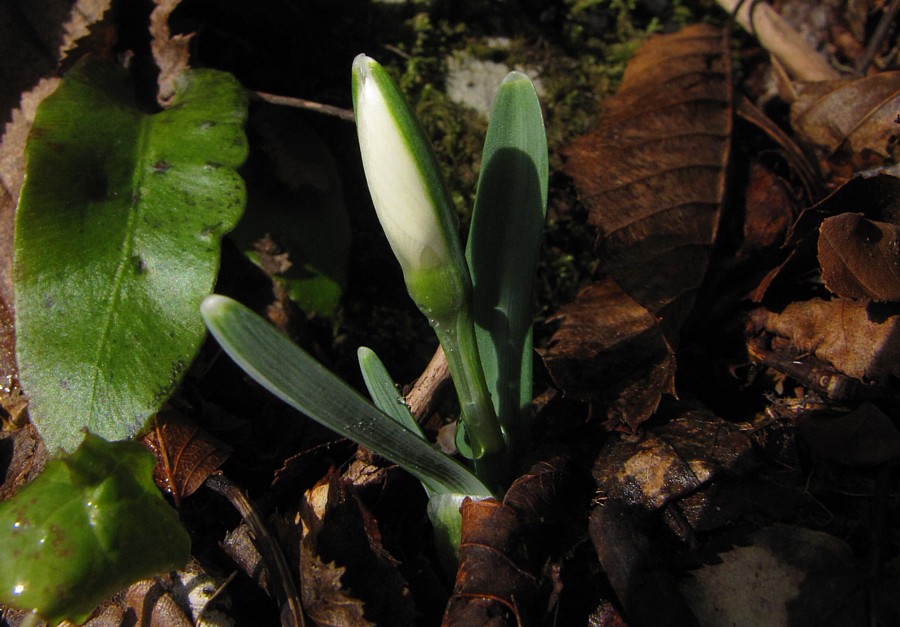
(90, 524)
(383, 391)
(117, 242)
(503, 244)
(292, 375)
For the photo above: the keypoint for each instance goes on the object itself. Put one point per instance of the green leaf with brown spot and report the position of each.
(90, 524)
(117, 242)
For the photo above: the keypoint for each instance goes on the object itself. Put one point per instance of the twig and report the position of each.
(309, 105)
(429, 387)
(284, 591)
(781, 40)
(878, 37)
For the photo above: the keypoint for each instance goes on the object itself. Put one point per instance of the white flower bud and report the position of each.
(407, 190)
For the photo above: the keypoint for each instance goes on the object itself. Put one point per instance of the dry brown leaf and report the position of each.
(503, 548)
(671, 460)
(635, 570)
(171, 53)
(185, 454)
(24, 454)
(858, 116)
(769, 209)
(609, 348)
(344, 568)
(855, 338)
(877, 197)
(83, 22)
(860, 258)
(652, 174)
(154, 606)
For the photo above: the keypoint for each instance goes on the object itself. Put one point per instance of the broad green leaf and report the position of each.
(502, 249)
(117, 242)
(291, 374)
(383, 391)
(92, 523)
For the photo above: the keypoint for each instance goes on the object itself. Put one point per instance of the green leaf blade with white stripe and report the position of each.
(503, 245)
(295, 377)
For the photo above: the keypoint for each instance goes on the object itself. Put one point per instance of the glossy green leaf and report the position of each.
(117, 241)
(90, 524)
(502, 249)
(291, 374)
(383, 391)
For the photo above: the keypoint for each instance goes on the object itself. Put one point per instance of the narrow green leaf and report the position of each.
(503, 245)
(292, 375)
(446, 520)
(117, 241)
(383, 391)
(90, 524)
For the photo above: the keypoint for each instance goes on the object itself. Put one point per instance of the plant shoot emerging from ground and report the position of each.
(478, 300)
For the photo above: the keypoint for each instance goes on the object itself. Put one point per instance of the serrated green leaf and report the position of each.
(90, 524)
(117, 241)
(291, 374)
(502, 249)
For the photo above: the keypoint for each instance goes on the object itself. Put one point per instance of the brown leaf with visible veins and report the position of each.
(652, 174)
(860, 258)
(856, 116)
(609, 348)
(185, 454)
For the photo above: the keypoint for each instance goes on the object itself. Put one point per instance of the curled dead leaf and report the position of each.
(858, 339)
(877, 197)
(670, 460)
(503, 548)
(858, 116)
(170, 52)
(347, 576)
(860, 258)
(611, 349)
(185, 454)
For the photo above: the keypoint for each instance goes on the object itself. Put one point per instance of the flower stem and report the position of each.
(457, 337)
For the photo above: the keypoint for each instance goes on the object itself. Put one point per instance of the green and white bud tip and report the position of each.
(409, 195)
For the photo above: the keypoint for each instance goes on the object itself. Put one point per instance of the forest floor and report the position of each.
(716, 333)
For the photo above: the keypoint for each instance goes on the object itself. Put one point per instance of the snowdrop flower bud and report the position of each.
(408, 192)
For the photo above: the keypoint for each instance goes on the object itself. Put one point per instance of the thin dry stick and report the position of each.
(781, 40)
(283, 587)
(881, 32)
(309, 105)
(429, 387)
